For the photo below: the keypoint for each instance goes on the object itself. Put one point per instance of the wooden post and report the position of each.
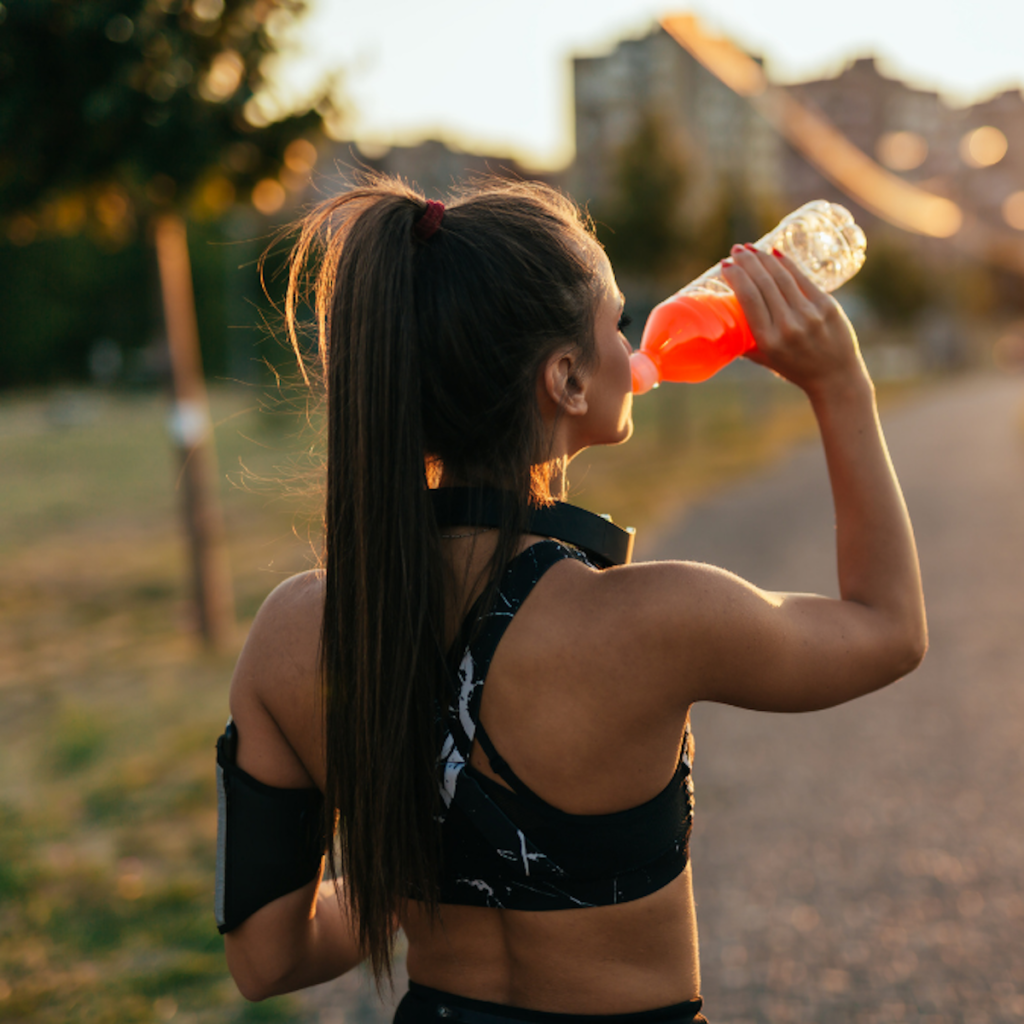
(192, 431)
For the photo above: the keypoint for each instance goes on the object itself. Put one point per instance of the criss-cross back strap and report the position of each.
(462, 721)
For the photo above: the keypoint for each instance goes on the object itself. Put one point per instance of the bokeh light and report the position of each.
(22, 230)
(65, 215)
(213, 198)
(268, 196)
(165, 1008)
(161, 86)
(254, 115)
(207, 10)
(902, 151)
(1008, 351)
(112, 206)
(1013, 210)
(241, 157)
(119, 29)
(130, 884)
(983, 147)
(223, 78)
(300, 156)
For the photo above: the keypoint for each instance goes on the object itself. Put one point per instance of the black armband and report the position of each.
(269, 841)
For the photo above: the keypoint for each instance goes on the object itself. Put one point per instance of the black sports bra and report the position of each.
(508, 847)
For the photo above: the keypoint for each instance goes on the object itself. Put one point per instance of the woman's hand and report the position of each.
(802, 333)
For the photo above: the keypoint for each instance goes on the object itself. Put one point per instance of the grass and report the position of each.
(109, 708)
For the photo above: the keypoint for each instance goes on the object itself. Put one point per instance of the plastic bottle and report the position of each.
(694, 333)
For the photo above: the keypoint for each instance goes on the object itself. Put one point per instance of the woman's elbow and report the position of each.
(911, 648)
(254, 990)
(256, 978)
(920, 650)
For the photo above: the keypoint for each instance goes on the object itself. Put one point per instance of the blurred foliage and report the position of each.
(110, 112)
(733, 217)
(112, 108)
(642, 227)
(60, 295)
(895, 283)
(65, 298)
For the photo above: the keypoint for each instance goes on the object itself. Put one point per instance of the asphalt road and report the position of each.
(867, 863)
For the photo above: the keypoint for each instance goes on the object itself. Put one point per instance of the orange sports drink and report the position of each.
(690, 337)
(694, 333)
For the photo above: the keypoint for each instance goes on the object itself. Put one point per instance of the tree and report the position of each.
(124, 114)
(732, 217)
(644, 232)
(137, 106)
(894, 282)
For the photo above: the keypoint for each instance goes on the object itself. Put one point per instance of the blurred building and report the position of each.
(903, 128)
(985, 183)
(716, 133)
(432, 165)
(973, 155)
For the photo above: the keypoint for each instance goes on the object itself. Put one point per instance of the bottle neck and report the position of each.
(645, 372)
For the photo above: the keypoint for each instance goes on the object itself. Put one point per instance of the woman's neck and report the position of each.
(549, 478)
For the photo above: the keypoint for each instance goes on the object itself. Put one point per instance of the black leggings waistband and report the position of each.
(422, 1005)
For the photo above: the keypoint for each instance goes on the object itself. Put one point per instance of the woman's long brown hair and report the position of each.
(430, 351)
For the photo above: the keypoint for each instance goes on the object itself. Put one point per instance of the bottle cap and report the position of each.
(645, 373)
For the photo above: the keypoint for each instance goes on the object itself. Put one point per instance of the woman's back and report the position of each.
(563, 706)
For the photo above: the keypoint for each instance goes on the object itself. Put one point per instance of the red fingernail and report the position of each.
(775, 252)
(747, 245)
(737, 248)
(726, 263)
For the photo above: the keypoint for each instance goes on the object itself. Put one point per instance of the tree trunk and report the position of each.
(193, 434)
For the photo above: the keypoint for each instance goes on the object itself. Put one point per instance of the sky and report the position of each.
(497, 77)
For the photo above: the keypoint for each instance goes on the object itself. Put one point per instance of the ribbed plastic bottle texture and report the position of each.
(694, 333)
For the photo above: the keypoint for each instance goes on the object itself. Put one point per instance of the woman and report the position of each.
(541, 872)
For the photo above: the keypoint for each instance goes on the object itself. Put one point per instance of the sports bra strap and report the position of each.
(498, 764)
(481, 632)
(521, 576)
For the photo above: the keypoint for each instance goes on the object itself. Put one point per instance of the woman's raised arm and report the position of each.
(712, 636)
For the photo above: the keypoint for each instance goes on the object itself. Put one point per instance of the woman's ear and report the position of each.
(561, 383)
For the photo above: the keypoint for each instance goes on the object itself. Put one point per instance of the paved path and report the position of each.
(867, 863)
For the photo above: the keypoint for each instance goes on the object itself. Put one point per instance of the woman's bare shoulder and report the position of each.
(637, 608)
(648, 596)
(285, 635)
(669, 626)
(275, 688)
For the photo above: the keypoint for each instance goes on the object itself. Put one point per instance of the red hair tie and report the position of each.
(424, 226)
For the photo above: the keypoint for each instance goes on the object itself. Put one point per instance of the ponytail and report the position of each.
(430, 348)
